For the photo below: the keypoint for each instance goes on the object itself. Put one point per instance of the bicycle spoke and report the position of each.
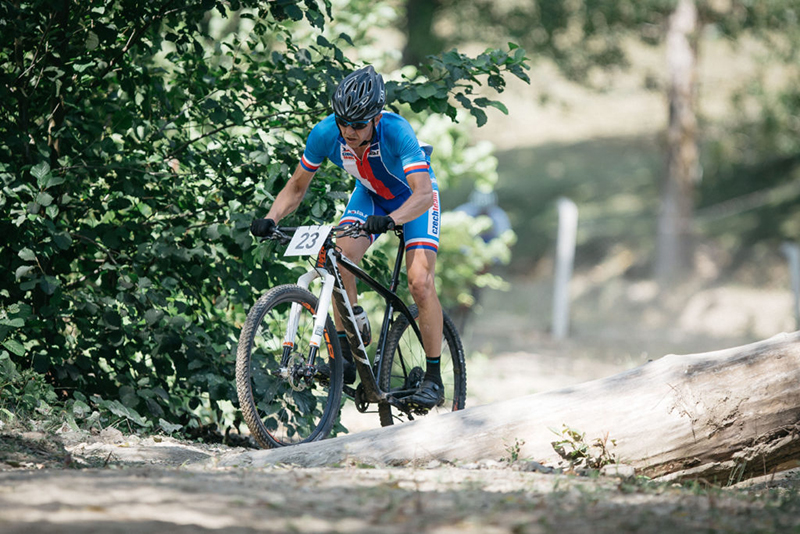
(280, 406)
(406, 362)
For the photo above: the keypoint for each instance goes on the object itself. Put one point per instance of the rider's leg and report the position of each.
(359, 206)
(421, 266)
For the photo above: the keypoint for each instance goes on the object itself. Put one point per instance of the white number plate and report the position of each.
(307, 240)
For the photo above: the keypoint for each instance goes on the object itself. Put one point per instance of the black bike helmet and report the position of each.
(360, 96)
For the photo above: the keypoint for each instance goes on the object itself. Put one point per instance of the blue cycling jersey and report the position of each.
(393, 154)
(381, 173)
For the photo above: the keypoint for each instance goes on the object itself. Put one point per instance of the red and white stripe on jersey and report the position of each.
(362, 170)
(310, 166)
(423, 243)
(420, 166)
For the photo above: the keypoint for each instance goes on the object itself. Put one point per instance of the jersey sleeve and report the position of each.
(317, 146)
(412, 156)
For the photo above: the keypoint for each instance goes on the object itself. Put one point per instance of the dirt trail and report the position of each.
(110, 482)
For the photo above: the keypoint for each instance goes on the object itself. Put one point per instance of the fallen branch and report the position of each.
(722, 416)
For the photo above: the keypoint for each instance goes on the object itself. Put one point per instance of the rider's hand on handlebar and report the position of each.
(378, 224)
(262, 227)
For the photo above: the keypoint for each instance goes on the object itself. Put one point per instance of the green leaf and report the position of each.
(167, 427)
(480, 116)
(464, 101)
(80, 409)
(92, 41)
(117, 408)
(426, 91)
(51, 180)
(218, 116)
(318, 210)
(40, 171)
(49, 284)
(27, 254)
(14, 346)
(112, 319)
(14, 323)
(346, 38)
(128, 396)
(119, 204)
(483, 102)
(63, 240)
(23, 271)
(44, 199)
(152, 316)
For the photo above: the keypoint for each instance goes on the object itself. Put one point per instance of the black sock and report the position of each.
(432, 370)
(345, 345)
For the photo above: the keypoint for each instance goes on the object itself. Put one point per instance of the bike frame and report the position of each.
(327, 268)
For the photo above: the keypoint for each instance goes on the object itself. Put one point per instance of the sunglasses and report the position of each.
(356, 125)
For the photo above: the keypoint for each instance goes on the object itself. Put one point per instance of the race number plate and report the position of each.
(307, 240)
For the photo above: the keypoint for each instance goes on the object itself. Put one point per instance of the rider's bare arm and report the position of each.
(291, 195)
(419, 202)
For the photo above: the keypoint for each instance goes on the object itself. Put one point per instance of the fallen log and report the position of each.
(721, 416)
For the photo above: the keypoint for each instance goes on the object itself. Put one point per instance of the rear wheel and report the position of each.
(403, 367)
(280, 403)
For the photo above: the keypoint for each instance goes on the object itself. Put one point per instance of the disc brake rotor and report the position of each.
(295, 365)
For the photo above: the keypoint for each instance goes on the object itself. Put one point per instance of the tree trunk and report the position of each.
(674, 254)
(421, 40)
(720, 416)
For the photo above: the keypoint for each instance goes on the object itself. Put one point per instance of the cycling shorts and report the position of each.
(421, 233)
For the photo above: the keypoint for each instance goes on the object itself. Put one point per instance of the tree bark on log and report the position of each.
(721, 416)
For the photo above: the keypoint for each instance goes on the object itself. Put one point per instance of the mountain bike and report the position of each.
(289, 364)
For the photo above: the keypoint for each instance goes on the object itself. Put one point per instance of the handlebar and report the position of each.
(284, 234)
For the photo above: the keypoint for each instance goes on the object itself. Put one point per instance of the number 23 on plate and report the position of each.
(307, 240)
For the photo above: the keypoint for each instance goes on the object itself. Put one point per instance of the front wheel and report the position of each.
(403, 366)
(280, 405)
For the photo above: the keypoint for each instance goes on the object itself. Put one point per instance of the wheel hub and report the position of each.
(297, 376)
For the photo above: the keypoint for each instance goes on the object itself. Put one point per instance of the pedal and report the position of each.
(417, 409)
(401, 405)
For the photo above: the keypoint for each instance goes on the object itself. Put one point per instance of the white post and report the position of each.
(792, 252)
(565, 257)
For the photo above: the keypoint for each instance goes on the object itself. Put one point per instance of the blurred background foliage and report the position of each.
(138, 142)
(745, 193)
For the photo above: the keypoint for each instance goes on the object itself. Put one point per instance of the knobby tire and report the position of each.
(276, 414)
(404, 364)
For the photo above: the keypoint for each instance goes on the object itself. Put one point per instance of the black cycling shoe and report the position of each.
(324, 372)
(429, 395)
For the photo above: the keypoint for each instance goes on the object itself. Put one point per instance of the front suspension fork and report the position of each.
(320, 316)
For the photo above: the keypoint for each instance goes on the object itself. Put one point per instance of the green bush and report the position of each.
(138, 142)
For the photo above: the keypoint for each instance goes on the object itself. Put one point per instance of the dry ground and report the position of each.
(71, 482)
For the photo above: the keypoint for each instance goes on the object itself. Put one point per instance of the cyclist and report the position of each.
(394, 185)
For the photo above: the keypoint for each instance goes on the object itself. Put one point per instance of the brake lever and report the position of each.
(277, 235)
(354, 230)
